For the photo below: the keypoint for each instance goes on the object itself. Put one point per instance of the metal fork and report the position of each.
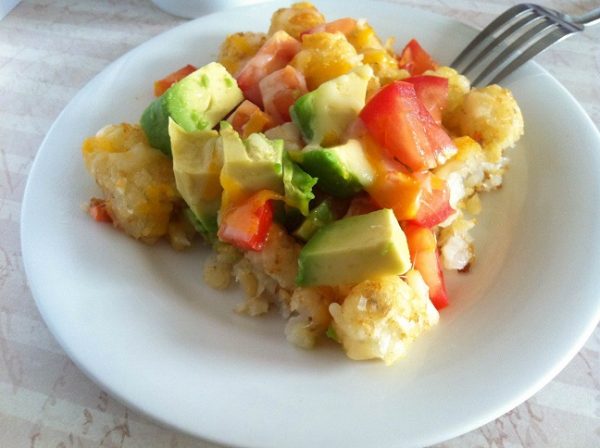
(517, 35)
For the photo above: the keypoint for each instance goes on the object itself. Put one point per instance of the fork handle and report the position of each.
(589, 18)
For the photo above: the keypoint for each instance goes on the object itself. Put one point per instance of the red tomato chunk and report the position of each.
(423, 251)
(432, 91)
(247, 225)
(416, 60)
(276, 53)
(399, 122)
(280, 90)
(163, 85)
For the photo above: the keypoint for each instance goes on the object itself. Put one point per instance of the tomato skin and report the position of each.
(432, 91)
(162, 85)
(401, 124)
(247, 224)
(415, 59)
(392, 117)
(280, 90)
(276, 53)
(422, 246)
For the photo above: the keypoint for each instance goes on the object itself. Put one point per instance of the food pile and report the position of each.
(334, 179)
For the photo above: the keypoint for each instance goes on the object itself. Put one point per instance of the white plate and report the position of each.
(139, 321)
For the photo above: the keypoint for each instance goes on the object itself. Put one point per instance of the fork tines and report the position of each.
(512, 39)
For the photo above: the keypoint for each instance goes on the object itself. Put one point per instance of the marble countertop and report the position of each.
(48, 51)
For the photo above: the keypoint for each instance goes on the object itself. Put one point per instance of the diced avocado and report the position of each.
(153, 123)
(297, 185)
(324, 114)
(354, 249)
(197, 162)
(302, 113)
(342, 170)
(318, 217)
(251, 165)
(197, 102)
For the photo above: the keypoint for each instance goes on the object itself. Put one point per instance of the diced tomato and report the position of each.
(247, 224)
(398, 121)
(441, 145)
(392, 118)
(162, 85)
(345, 26)
(422, 198)
(276, 53)
(98, 211)
(434, 200)
(416, 60)
(248, 119)
(280, 90)
(422, 246)
(432, 91)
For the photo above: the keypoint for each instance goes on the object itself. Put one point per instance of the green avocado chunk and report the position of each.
(197, 162)
(342, 171)
(324, 114)
(197, 102)
(251, 165)
(318, 217)
(354, 249)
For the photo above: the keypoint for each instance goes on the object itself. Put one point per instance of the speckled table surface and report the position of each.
(48, 51)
